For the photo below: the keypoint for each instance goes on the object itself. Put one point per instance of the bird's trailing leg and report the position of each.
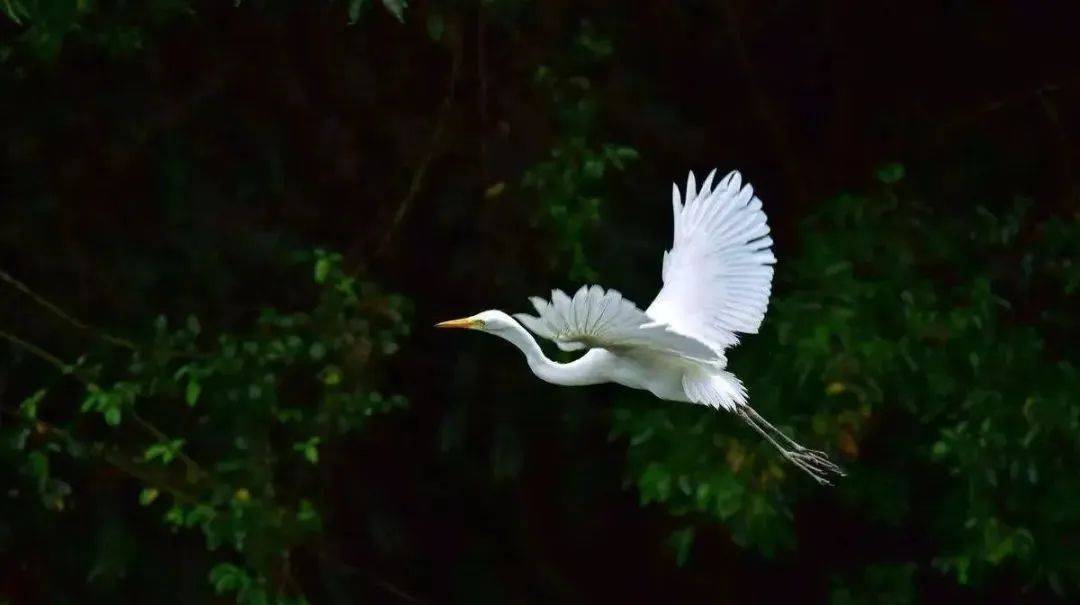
(815, 463)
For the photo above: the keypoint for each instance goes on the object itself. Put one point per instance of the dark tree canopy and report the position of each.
(230, 226)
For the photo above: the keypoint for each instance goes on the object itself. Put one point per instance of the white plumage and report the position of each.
(717, 280)
(718, 273)
(595, 318)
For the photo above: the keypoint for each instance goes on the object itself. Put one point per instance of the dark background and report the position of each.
(166, 158)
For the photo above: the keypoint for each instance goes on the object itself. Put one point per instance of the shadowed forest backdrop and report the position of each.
(228, 228)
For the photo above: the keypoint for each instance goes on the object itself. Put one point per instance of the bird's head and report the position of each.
(494, 322)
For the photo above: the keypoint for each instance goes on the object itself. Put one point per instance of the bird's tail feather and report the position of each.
(719, 389)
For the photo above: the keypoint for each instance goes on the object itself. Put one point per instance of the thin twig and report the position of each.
(112, 458)
(194, 469)
(481, 73)
(286, 578)
(394, 590)
(40, 353)
(120, 462)
(1054, 117)
(421, 171)
(974, 114)
(10, 10)
(55, 310)
(322, 552)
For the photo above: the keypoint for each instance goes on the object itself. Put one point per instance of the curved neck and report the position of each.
(581, 371)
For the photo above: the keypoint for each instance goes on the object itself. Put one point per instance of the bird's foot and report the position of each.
(815, 463)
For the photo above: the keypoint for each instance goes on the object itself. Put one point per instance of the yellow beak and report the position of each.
(466, 323)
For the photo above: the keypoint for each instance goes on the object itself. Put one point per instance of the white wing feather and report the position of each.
(604, 319)
(718, 273)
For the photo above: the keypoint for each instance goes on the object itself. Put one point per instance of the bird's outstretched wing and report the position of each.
(718, 273)
(598, 318)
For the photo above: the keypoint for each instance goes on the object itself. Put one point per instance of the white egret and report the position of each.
(717, 278)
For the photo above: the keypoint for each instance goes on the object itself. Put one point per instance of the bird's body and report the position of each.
(717, 280)
(660, 375)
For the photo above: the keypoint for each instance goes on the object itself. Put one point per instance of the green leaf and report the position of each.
(113, 416)
(166, 452)
(18, 439)
(309, 449)
(14, 10)
(681, 541)
(174, 516)
(193, 325)
(322, 269)
(200, 514)
(355, 6)
(252, 595)
(28, 409)
(226, 577)
(594, 168)
(307, 514)
(331, 375)
(148, 495)
(435, 26)
(396, 8)
(890, 173)
(53, 494)
(37, 466)
(191, 394)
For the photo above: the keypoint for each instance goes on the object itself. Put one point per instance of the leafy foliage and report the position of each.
(897, 318)
(884, 584)
(48, 23)
(568, 184)
(165, 156)
(216, 431)
(120, 30)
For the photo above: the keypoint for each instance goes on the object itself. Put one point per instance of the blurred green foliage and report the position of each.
(927, 345)
(120, 28)
(119, 31)
(218, 431)
(568, 186)
(878, 585)
(903, 329)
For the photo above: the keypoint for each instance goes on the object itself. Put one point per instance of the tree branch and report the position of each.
(976, 113)
(436, 140)
(481, 74)
(1054, 118)
(195, 470)
(114, 459)
(57, 311)
(42, 354)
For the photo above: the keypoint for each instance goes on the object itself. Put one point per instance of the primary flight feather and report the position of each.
(717, 278)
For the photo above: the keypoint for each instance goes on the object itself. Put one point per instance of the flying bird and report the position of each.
(717, 279)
